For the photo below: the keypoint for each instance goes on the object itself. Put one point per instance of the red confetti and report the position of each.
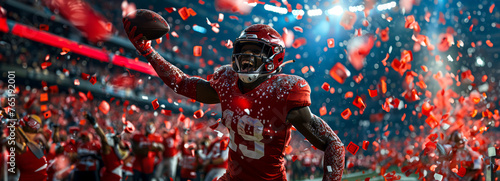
(470, 28)
(492, 7)
(233, 17)
(424, 68)
(93, 80)
(104, 107)
(46, 64)
(298, 28)
(90, 96)
(197, 51)
(170, 9)
(358, 102)
(488, 42)
(183, 12)
(198, 114)
(411, 128)
(348, 19)
(352, 148)
(322, 111)
(83, 97)
(47, 114)
(44, 97)
(305, 69)
(155, 104)
(294, 157)
(346, 114)
(348, 94)
(365, 145)
(372, 93)
(214, 126)
(432, 122)
(339, 73)
(166, 112)
(325, 86)
(85, 76)
(331, 43)
(384, 34)
(299, 42)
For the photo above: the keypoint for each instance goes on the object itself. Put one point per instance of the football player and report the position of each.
(113, 151)
(259, 104)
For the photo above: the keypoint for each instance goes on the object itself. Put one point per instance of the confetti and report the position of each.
(198, 114)
(299, 42)
(85, 76)
(93, 80)
(339, 73)
(298, 28)
(322, 111)
(348, 19)
(170, 9)
(365, 145)
(155, 104)
(325, 86)
(183, 12)
(372, 93)
(491, 8)
(44, 97)
(104, 107)
(197, 51)
(47, 114)
(346, 114)
(233, 17)
(358, 102)
(352, 148)
(331, 43)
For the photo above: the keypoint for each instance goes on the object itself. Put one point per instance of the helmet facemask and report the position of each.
(252, 59)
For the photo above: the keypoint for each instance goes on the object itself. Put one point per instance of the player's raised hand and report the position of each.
(140, 43)
(142, 26)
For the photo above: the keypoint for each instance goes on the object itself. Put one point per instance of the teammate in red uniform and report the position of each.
(216, 160)
(30, 166)
(259, 105)
(87, 164)
(112, 150)
(189, 159)
(145, 147)
(171, 142)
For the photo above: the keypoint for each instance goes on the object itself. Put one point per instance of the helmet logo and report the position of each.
(270, 67)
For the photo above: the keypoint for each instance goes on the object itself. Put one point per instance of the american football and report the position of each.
(150, 24)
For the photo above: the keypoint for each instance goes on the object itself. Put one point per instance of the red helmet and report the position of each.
(272, 52)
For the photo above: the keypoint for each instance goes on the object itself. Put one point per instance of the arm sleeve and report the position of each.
(173, 77)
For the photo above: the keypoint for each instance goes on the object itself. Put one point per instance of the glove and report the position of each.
(142, 45)
(90, 119)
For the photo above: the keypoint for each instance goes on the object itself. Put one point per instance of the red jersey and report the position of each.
(30, 167)
(87, 155)
(145, 164)
(257, 124)
(170, 144)
(188, 163)
(112, 164)
(218, 149)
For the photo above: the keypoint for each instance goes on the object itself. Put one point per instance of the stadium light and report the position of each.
(337, 10)
(298, 12)
(386, 6)
(314, 12)
(356, 8)
(275, 9)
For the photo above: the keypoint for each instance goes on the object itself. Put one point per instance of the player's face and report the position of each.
(251, 58)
